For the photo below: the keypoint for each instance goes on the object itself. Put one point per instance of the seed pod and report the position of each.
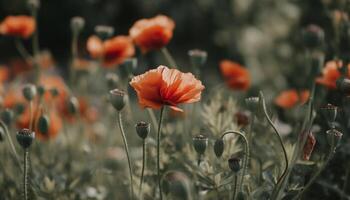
(43, 124)
(330, 113)
(25, 138)
(200, 143)
(198, 57)
(219, 147)
(143, 129)
(77, 24)
(118, 99)
(334, 136)
(313, 36)
(234, 163)
(7, 116)
(252, 103)
(343, 84)
(29, 92)
(104, 32)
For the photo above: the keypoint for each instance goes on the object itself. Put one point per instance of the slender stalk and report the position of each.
(120, 123)
(143, 166)
(31, 115)
(278, 136)
(74, 49)
(346, 181)
(22, 51)
(246, 155)
(25, 174)
(9, 139)
(153, 118)
(168, 57)
(35, 46)
(235, 187)
(158, 153)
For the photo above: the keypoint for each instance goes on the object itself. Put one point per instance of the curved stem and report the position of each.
(278, 136)
(127, 151)
(158, 153)
(143, 165)
(168, 57)
(247, 154)
(12, 146)
(25, 174)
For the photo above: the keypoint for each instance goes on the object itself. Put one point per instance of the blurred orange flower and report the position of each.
(20, 26)
(164, 86)
(4, 74)
(12, 98)
(86, 111)
(153, 33)
(290, 98)
(236, 76)
(331, 73)
(113, 51)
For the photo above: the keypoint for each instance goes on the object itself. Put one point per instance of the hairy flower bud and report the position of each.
(33, 4)
(29, 92)
(330, 113)
(252, 103)
(7, 116)
(43, 124)
(25, 138)
(313, 36)
(197, 57)
(200, 143)
(143, 129)
(117, 98)
(219, 147)
(234, 163)
(333, 137)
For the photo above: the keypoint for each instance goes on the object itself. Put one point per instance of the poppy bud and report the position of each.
(343, 84)
(73, 105)
(313, 36)
(41, 90)
(117, 98)
(330, 113)
(112, 80)
(29, 92)
(7, 116)
(197, 57)
(252, 103)
(19, 108)
(43, 124)
(77, 24)
(219, 147)
(200, 143)
(54, 92)
(334, 136)
(104, 32)
(2, 134)
(25, 138)
(234, 163)
(33, 4)
(142, 129)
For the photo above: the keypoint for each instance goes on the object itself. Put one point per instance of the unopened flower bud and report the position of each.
(234, 163)
(41, 90)
(200, 143)
(330, 113)
(19, 108)
(43, 124)
(343, 84)
(252, 103)
(25, 138)
(104, 32)
(29, 92)
(73, 105)
(117, 98)
(7, 116)
(143, 129)
(313, 36)
(219, 147)
(197, 57)
(77, 24)
(112, 80)
(333, 137)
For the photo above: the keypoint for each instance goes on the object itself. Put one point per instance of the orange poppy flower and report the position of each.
(331, 73)
(55, 123)
(20, 26)
(54, 82)
(113, 51)
(236, 76)
(4, 74)
(290, 98)
(12, 98)
(164, 86)
(86, 112)
(153, 33)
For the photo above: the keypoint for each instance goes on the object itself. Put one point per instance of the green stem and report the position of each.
(127, 152)
(36, 49)
(247, 154)
(22, 51)
(12, 146)
(168, 57)
(262, 99)
(25, 175)
(346, 181)
(153, 118)
(158, 153)
(74, 49)
(143, 166)
(235, 187)
(31, 115)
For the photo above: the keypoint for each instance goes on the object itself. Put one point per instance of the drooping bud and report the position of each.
(143, 129)
(219, 147)
(333, 137)
(118, 99)
(73, 105)
(330, 113)
(29, 92)
(25, 138)
(200, 143)
(77, 24)
(104, 32)
(43, 124)
(343, 84)
(313, 36)
(112, 80)
(234, 163)
(7, 116)
(198, 57)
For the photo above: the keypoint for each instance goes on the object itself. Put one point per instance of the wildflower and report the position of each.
(236, 76)
(290, 98)
(309, 146)
(152, 34)
(19, 26)
(113, 51)
(331, 74)
(164, 86)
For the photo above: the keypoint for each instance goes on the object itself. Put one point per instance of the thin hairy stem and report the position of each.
(74, 49)
(235, 187)
(36, 49)
(158, 153)
(22, 50)
(120, 123)
(143, 166)
(9, 139)
(25, 174)
(31, 115)
(169, 58)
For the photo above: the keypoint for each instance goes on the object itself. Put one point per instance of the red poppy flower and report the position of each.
(164, 86)
(113, 51)
(330, 74)
(290, 98)
(236, 76)
(20, 26)
(153, 33)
